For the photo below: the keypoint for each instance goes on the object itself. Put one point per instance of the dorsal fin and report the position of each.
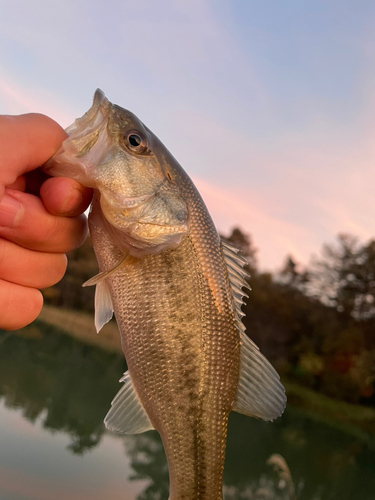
(260, 393)
(237, 274)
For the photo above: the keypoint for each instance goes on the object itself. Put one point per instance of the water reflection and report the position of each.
(148, 460)
(64, 385)
(68, 383)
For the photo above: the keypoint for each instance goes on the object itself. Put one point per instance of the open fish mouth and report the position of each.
(92, 117)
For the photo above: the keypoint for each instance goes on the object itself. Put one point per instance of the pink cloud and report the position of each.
(17, 100)
(274, 236)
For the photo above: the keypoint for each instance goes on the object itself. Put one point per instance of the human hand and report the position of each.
(41, 218)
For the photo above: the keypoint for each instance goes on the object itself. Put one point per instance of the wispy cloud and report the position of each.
(274, 236)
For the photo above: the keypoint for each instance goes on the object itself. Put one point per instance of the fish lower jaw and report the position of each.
(142, 244)
(141, 239)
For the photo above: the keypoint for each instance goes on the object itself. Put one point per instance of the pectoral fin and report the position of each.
(103, 301)
(127, 415)
(103, 305)
(260, 393)
(105, 274)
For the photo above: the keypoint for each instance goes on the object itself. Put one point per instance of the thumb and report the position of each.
(26, 142)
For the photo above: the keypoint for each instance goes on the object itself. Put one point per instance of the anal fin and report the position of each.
(127, 415)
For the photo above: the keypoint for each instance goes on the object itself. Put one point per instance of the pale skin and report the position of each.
(41, 218)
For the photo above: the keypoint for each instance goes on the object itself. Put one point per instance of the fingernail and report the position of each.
(72, 201)
(11, 211)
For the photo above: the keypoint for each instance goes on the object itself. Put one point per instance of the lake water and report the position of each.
(55, 392)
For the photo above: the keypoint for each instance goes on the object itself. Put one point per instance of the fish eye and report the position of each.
(136, 142)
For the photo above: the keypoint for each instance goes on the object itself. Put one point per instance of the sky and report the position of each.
(269, 106)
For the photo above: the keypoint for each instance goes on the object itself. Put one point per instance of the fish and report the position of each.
(176, 289)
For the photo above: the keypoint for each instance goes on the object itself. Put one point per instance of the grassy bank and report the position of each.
(81, 326)
(350, 418)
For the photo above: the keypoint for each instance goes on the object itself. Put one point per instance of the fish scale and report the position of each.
(176, 291)
(187, 383)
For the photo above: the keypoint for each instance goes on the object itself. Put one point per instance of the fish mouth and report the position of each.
(90, 118)
(85, 146)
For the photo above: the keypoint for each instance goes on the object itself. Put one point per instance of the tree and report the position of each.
(345, 277)
(292, 275)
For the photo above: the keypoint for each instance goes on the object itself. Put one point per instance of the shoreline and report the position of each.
(80, 325)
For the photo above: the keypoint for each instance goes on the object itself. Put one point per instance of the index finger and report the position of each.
(26, 142)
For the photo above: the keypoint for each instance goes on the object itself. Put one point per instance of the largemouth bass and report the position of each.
(176, 291)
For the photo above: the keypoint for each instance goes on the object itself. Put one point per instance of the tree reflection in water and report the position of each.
(66, 383)
(69, 386)
(276, 484)
(326, 464)
(149, 463)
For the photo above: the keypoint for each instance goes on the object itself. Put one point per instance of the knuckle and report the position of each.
(77, 234)
(64, 234)
(55, 232)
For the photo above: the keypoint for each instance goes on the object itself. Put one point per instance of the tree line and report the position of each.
(316, 324)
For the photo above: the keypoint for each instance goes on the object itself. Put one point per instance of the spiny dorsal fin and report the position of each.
(260, 393)
(237, 274)
(127, 415)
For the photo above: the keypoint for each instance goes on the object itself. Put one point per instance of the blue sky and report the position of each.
(268, 105)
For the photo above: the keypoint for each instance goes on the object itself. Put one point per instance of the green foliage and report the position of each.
(317, 325)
